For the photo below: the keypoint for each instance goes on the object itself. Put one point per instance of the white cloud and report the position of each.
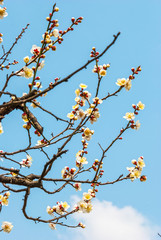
(109, 222)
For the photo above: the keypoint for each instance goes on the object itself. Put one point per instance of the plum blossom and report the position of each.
(4, 199)
(94, 114)
(77, 186)
(103, 72)
(97, 101)
(140, 106)
(55, 33)
(35, 50)
(1, 128)
(87, 134)
(141, 163)
(33, 103)
(85, 207)
(26, 162)
(81, 160)
(87, 196)
(121, 82)
(3, 12)
(41, 65)
(80, 114)
(50, 210)
(86, 95)
(66, 172)
(7, 227)
(52, 226)
(129, 116)
(71, 115)
(26, 59)
(128, 85)
(62, 207)
(1, 151)
(25, 117)
(83, 86)
(137, 125)
(38, 85)
(135, 172)
(26, 72)
(77, 92)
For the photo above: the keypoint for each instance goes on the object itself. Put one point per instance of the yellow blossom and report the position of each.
(4, 201)
(89, 207)
(70, 115)
(140, 105)
(88, 111)
(137, 173)
(65, 205)
(33, 103)
(55, 33)
(121, 82)
(49, 210)
(82, 160)
(129, 116)
(56, 9)
(141, 163)
(87, 196)
(7, 227)
(77, 99)
(102, 72)
(87, 131)
(26, 59)
(83, 86)
(77, 92)
(128, 85)
(26, 72)
(75, 106)
(3, 13)
(1, 128)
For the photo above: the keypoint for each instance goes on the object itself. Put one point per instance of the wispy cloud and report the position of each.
(109, 222)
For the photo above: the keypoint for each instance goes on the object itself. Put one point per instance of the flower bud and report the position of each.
(143, 178)
(56, 9)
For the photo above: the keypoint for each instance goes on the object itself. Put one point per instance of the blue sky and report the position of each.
(138, 44)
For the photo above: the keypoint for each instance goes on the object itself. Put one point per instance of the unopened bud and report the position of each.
(143, 178)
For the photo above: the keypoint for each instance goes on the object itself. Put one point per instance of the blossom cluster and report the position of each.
(25, 118)
(96, 164)
(42, 141)
(4, 199)
(82, 96)
(99, 69)
(127, 83)
(26, 162)
(85, 204)
(91, 113)
(135, 172)
(67, 173)
(130, 116)
(60, 208)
